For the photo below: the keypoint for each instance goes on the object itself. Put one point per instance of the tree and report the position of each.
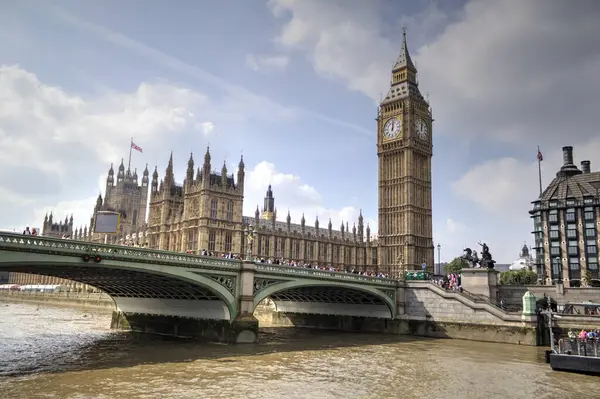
(456, 265)
(518, 277)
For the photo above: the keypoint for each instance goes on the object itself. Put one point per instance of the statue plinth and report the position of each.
(480, 281)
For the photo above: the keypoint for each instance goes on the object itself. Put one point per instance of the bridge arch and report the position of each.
(135, 287)
(329, 297)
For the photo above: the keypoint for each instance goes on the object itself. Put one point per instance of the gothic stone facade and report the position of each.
(126, 196)
(404, 147)
(205, 213)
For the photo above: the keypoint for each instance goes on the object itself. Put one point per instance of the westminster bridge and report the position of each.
(215, 299)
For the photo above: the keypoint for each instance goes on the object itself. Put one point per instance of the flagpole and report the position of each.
(131, 147)
(540, 170)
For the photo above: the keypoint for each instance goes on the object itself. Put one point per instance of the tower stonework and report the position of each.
(404, 149)
(126, 196)
(205, 213)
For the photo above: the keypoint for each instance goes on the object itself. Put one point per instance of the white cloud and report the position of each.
(241, 102)
(206, 127)
(507, 186)
(53, 141)
(292, 194)
(517, 72)
(267, 62)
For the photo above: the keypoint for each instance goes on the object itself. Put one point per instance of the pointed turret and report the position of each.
(155, 180)
(145, 177)
(288, 220)
(404, 77)
(169, 179)
(329, 226)
(121, 174)
(317, 222)
(404, 61)
(241, 173)
(189, 175)
(224, 175)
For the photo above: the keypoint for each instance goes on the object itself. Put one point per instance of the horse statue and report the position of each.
(471, 257)
(486, 256)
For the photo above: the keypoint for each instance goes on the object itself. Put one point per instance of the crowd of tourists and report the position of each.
(450, 282)
(583, 334)
(292, 263)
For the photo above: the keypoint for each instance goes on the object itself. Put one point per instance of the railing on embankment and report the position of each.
(473, 301)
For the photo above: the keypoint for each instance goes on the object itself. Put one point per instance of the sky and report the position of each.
(293, 85)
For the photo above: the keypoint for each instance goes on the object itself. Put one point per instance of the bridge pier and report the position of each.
(237, 331)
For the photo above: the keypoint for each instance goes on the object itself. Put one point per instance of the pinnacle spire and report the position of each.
(404, 60)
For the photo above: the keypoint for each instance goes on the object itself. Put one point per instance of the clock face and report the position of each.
(421, 128)
(392, 128)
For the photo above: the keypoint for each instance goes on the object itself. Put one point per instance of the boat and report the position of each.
(572, 354)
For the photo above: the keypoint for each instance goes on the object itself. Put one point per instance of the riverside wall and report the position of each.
(91, 301)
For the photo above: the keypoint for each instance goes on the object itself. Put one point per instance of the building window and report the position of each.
(570, 215)
(296, 249)
(554, 235)
(228, 242)
(553, 216)
(267, 250)
(570, 202)
(571, 231)
(192, 240)
(588, 200)
(553, 204)
(555, 251)
(537, 220)
(309, 250)
(574, 263)
(572, 248)
(592, 263)
(590, 229)
(556, 268)
(211, 240)
(230, 211)
(213, 209)
(592, 249)
(588, 213)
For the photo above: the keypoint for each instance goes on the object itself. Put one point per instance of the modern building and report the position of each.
(566, 220)
(205, 212)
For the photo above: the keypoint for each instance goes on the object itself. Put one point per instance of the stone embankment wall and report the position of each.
(429, 311)
(513, 294)
(96, 301)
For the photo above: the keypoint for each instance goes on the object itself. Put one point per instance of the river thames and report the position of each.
(48, 352)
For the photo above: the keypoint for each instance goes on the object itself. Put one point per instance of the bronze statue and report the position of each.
(486, 257)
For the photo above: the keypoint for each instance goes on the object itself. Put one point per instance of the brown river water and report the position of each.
(50, 352)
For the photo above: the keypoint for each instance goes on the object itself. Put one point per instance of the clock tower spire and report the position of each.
(404, 149)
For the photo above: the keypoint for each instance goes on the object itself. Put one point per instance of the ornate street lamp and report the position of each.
(439, 248)
(250, 232)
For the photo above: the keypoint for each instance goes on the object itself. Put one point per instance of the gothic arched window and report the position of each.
(230, 211)
(213, 209)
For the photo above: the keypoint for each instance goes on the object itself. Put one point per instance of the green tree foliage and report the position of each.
(518, 277)
(456, 265)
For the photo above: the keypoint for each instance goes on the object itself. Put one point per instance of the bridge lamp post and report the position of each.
(439, 248)
(250, 232)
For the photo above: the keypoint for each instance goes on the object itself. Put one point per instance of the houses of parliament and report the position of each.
(205, 212)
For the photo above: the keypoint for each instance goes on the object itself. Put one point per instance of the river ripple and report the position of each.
(48, 352)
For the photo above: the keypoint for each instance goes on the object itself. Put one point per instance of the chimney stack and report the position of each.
(585, 166)
(567, 156)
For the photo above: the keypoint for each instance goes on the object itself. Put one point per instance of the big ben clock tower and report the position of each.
(404, 148)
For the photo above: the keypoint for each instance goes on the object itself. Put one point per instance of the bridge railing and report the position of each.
(28, 243)
(305, 271)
